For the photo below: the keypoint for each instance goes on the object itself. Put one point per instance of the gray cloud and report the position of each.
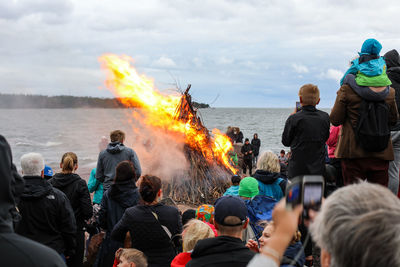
(250, 52)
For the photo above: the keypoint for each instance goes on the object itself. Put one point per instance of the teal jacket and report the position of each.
(232, 191)
(96, 186)
(371, 68)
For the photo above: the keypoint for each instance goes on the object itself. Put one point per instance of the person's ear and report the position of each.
(325, 258)
(61, 165)
(246, 223)
(76, 167)
(159, 194)
(319, 99)
(301, 99)
(131, 264)
(42, 173)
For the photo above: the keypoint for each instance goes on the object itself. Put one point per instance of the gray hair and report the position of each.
(359, 225)
(32, 164)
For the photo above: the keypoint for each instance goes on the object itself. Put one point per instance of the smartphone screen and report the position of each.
(312, 195)
(298, 106)
(293, 197)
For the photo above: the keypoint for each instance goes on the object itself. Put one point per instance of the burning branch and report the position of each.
(209, 168)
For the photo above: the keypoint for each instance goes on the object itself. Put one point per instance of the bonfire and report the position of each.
(209, 169)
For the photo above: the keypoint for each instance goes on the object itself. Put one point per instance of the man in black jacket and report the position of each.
(16, 250)
(247, 151)
(392, 59)
(47, 216)
(306, 133)
(228, 248)
(256, 143)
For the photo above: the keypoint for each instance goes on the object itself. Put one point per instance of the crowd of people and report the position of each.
(49, 219)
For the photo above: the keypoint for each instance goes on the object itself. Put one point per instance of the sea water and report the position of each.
(53, 132)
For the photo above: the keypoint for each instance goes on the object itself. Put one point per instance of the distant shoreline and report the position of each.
(19, 101)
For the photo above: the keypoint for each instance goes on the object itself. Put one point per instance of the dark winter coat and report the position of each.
(75, 188)
(306, 133)
(113, 205)
(16, 250)
(109, 159)
(392, 59)
(345, 112)
(256, 143)
(115, 201)
(290, 254)
(147, 234)
(47, 216)
(220, 251)
(246, 148)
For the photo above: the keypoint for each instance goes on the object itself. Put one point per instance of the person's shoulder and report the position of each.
(79, 180)
(137, 209)
(59, 194)
(168, 208)
(21, 251)
(323, 113)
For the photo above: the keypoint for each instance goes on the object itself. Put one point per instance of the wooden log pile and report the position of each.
(205, 181)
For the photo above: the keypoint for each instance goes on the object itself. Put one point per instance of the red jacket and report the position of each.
(332, 140)
(181, 259)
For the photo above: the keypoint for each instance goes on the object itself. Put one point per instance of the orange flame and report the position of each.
(159, 109)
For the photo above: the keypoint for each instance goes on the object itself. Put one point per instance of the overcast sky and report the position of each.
(241, 53)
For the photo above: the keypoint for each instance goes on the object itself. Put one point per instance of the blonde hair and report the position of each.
(268, 161)
(68, 161)
(135, 256)
(194, 231)
(309, 94)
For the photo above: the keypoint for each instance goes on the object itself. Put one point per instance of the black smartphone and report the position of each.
(298, 106)
(306, 190)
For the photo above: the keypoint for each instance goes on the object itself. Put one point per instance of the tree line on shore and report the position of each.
(9, 101)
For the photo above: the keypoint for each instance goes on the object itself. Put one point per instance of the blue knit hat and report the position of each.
(371, 47)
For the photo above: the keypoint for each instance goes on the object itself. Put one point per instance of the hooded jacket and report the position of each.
(47, 216)
(345, 112)
(393, 63)
(219, 252)
(271, 184)
(75, 188)
(109, 159)
(115, 201)
(17, 250)
(370, 68)
(306, 133)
